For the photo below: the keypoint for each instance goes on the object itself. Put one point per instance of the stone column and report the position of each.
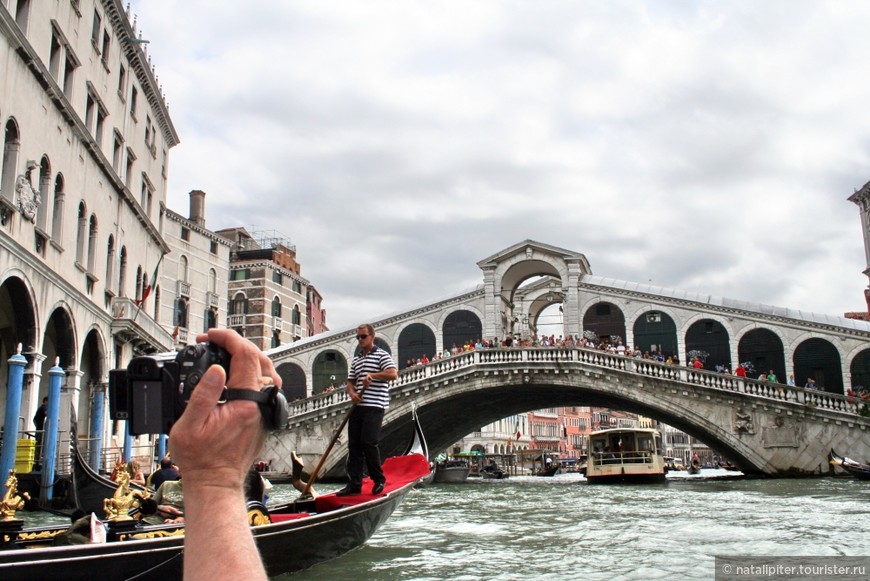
(491, 305)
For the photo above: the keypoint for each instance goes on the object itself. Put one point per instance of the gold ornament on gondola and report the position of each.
(12, 501)
(117, 507)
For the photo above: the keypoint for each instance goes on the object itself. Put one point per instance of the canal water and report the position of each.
(563, 528)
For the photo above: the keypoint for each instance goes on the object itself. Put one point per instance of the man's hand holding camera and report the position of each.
(215, 444)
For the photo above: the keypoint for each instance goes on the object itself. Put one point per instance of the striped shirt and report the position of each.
(377, 394)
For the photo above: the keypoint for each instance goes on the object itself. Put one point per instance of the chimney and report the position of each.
(197, 207)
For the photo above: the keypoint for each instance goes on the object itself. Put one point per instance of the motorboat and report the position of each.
(623, 455)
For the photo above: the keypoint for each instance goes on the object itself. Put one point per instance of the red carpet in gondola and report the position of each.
(399, 471)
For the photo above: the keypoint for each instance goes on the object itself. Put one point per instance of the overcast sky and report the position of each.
(705, 146)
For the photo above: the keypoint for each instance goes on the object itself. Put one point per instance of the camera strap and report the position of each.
(232, 393)
(273, 405)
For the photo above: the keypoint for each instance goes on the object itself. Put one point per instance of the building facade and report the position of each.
(192, 296)
(87, 136)
(267, 292)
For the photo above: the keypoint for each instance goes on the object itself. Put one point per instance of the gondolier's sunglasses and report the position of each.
(361, 337)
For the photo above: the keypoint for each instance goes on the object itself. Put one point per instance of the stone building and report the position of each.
(192, 296)
(87, 135)
(267, 293)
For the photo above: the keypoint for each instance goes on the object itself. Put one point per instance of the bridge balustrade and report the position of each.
(676, 373)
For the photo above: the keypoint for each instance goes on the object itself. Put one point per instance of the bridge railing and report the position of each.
(679, 373)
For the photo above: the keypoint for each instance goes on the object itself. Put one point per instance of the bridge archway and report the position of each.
(860, 371)
(326, 364)
(461, 326)
(607, 321)
(415, 340)
(819, 359)
(293, 381)
(505, 271)
(764, 350)
(656, 332)
(708, 339)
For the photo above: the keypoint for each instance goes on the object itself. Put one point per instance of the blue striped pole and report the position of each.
(52, 416)
(13, 410)
(98, 405)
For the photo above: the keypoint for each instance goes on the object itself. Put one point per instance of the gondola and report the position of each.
(856, 469)
(90, 488)
(290, 537)
(546, 471)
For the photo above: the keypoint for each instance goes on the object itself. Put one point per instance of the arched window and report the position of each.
(210, 319)
(44, 187)
(276, 307)
(110, 262)
(22, 14)
(81, 239)
(57, 211)
(92, 244)
(297, 316)
(138, 294)
(122, 273)
(182, 269)
(239, 304)
(181, 312)
(212, 280)
(11, 147)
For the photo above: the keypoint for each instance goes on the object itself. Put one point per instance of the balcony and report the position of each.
(277, 324)
(237, 320)
(212, 299)
(134, 325)
(183, 288)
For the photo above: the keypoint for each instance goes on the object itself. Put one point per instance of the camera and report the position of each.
(152, 392)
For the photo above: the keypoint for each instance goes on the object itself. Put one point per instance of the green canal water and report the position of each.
(563, 528)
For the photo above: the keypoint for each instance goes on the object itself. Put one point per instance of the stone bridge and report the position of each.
(765, 429)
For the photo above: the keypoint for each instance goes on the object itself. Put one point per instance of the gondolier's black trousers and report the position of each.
(363, 433)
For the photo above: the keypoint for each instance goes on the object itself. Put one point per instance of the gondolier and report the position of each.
(368, 386)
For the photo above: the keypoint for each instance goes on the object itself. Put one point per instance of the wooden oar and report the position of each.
(306, 491)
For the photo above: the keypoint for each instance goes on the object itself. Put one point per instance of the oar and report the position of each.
(306, 491)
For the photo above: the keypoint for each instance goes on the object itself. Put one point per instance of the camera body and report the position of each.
(152, 392)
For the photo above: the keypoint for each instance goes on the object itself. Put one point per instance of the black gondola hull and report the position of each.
(285, 547)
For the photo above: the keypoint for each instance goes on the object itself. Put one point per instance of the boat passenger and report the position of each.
(167, 472)
(169, 500)
(135, 470)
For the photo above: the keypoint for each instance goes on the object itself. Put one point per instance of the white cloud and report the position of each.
(708, 145)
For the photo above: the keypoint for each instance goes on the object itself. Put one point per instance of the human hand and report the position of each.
(215, 444)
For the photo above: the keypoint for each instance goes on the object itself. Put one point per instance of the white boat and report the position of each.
(625, 455)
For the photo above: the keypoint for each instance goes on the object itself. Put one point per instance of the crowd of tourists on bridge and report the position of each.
(609, 345)
(617, 348)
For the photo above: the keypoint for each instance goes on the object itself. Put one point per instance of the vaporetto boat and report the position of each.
(623, 455)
